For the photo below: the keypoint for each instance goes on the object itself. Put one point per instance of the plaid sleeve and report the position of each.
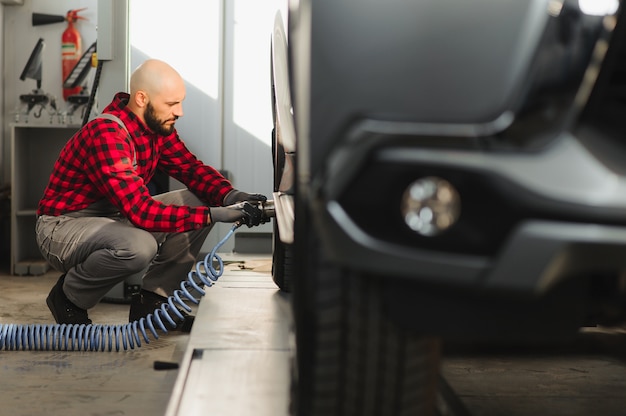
(203, 180)
(112, 170)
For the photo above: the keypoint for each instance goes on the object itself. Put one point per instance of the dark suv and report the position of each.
(445, 171)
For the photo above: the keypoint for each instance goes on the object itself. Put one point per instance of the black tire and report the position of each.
(282, 262)
(350, 359)
(282, 254)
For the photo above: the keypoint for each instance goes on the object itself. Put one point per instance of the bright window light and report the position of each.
(598, 7)
(188, 38)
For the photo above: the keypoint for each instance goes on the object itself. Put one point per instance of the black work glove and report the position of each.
(243, 212)
(235, 196)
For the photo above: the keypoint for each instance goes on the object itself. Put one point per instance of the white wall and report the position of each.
(221, 48)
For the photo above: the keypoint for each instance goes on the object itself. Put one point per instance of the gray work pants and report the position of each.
(97, 248)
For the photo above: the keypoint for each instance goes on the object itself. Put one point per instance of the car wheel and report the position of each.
(282, 255)
(350, 359)
(282, 262)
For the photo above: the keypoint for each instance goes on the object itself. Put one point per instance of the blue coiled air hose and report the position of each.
(94, 337)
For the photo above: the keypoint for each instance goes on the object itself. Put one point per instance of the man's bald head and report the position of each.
(153, 76)
(156, 94)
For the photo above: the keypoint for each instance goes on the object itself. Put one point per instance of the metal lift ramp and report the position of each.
(237, 357)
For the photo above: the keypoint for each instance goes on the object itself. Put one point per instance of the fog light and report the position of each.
(430, 206)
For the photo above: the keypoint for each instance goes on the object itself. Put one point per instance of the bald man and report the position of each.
(97, 222)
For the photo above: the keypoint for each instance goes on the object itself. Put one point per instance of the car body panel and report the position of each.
(434, 93)
(501, 108)
(487, 95)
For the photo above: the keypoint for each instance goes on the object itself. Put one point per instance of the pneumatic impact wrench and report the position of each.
(256, 212)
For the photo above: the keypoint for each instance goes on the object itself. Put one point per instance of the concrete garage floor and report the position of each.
(586, 377)
(79, 383)
(238, 358)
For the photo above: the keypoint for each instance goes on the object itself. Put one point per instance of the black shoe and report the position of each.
(145, 302)
(63, 310)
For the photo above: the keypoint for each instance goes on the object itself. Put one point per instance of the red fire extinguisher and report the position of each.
(71, 49)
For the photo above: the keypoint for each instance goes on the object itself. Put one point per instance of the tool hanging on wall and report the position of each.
(71, 43)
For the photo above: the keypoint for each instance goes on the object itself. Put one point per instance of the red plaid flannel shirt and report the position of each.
(97, 163)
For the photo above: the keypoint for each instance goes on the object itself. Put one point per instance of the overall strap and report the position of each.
(115, 118)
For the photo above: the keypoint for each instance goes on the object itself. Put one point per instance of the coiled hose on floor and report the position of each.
(94, 337)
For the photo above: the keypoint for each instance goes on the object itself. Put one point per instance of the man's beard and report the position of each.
(156, 125)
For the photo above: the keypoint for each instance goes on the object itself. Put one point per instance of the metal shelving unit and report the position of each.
(34, 149)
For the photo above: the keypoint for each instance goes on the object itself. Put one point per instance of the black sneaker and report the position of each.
(145, 302)
(63, 310)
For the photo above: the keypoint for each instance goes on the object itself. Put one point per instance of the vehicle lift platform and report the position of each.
(237, 357)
